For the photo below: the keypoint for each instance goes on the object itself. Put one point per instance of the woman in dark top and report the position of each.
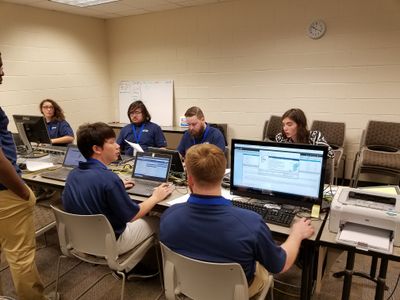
(60, 132)
(294, 130)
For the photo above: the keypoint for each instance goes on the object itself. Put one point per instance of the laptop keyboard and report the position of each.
(282, 216)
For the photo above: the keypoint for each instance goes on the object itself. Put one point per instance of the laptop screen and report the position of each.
(176, 163)
(72, 157)
(151, 166)
(293, 173)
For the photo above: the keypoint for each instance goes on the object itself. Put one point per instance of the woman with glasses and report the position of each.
(140, 131)
(59, 130)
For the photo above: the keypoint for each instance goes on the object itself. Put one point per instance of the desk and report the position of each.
(309, 246)
(328, 239)
(173, 134)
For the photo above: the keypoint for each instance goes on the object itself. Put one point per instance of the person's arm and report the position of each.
(301, 230)
(320, 140)
(159, 194)
(63, 140)
(10, 179)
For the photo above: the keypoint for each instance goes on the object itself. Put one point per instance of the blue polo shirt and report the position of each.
(146, 135)
(210, 228)
(211, 135)
(7, 143)
(94, 189)
(58, 129)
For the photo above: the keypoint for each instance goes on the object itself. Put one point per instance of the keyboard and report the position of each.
(279, 216)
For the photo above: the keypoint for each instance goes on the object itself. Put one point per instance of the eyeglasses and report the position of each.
(47, 107)
(136, 112)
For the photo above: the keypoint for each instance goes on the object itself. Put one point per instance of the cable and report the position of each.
(395, 286)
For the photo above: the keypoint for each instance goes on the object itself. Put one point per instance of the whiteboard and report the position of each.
(156, 95)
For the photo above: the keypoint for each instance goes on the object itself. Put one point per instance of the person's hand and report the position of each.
(163, 191)
(303, 228)
(128, 183)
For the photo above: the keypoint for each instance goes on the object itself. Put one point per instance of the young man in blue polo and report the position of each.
(208, 227)
(92, 188)
(17, 231)
(199, 132)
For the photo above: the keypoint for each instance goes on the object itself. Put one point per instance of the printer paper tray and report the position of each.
(366, 238)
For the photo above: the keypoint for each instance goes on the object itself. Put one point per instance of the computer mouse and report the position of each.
(22, 166)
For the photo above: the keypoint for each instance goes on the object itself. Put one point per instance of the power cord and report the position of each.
(395, 286)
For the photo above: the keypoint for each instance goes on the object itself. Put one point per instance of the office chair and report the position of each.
(91, 239)
(221, 128)
(272, 127)
(379, 151)
(203, 280)
(334, 133)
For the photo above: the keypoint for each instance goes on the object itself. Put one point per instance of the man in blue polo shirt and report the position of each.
(92, 188)
(199, 132)
(17, 231)
(209, 228)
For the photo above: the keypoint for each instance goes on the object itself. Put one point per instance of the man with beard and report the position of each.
(199, 132)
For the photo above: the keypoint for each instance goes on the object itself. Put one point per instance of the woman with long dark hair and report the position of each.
(60, 132)
(294, 130)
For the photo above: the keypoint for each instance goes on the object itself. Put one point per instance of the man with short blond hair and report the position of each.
(208, 227)
(199, 132)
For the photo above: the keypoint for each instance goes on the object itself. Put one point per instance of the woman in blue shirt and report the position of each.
(60, 132)
(140, 131)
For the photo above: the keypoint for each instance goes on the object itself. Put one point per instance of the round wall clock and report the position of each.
(316, 29)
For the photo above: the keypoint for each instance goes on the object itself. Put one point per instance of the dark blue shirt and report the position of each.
(150, 135)
(211, 135)
(94, 189)
(58, 129)
(211, 229)
(7, 143)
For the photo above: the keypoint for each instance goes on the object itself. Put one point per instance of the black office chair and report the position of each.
(222, 129)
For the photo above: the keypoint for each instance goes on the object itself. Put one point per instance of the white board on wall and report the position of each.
(156, 95)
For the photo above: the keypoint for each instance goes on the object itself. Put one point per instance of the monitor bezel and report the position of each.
(278, 197)
(33, 119)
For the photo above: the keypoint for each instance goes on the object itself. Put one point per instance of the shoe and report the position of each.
(140, 271)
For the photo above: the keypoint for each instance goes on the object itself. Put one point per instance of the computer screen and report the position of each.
(33, 128)
(151, 166)
(282, 172)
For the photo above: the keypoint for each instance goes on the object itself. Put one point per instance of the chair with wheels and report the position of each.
(272, 127)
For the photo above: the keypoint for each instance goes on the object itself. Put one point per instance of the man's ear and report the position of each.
(97, 149)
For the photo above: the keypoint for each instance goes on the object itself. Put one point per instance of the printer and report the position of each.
(366, 219)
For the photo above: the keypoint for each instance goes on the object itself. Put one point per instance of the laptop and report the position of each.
(176, 163)
(71, 160)
(123, 159)
(149, 171)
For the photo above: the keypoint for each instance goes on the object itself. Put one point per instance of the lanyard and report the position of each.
(137, 137)
(204, 136)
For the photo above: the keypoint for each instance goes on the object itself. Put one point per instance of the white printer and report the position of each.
(365, 219)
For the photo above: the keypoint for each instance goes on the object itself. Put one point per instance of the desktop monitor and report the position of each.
(32, 129)
(278, 172)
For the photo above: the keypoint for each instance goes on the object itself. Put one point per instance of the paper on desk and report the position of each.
(36, 165)
(366, 237)
(224, 193)
(135, 146)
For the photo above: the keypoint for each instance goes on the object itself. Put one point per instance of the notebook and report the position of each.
(71, 160)
(149, 171)
(176, 163)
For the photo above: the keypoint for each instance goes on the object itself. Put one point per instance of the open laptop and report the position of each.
(71, 160)
(176, 163)
(149, 171)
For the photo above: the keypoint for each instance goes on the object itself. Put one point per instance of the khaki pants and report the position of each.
(261, 278)
(18, 244)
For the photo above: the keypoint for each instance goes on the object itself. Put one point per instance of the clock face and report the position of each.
(316, 29)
